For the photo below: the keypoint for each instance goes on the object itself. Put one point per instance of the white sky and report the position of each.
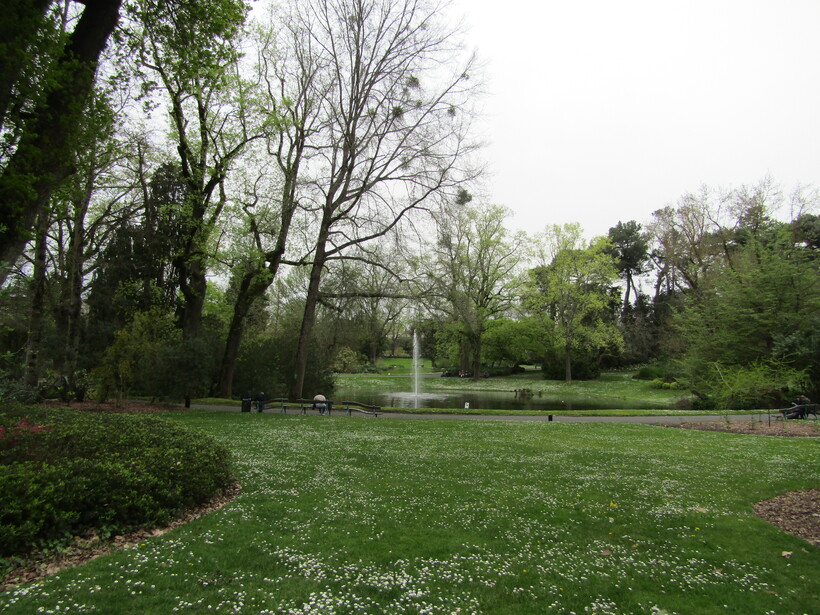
(606, 110)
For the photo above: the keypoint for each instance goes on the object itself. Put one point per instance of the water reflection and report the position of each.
(500, 400)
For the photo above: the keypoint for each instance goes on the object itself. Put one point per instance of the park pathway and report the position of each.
(647, 420)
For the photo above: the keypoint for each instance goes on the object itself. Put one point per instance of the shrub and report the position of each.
(650, 372)
(739, 387)
(12, 389)
(348, 361)
(584, 366)
(64, 473)
(660, 383)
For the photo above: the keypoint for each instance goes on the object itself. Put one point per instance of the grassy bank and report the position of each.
(617, 387)
(610, 386)
(366, 516)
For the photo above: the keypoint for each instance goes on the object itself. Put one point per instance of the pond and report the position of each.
(498, 400)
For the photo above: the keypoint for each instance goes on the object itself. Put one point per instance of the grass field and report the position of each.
(611, 386)
(358, 515)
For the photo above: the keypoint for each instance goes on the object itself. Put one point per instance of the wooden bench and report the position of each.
(352, 406)
(308, 404)
(800, 411)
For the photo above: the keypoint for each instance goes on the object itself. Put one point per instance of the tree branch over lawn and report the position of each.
(44, 152)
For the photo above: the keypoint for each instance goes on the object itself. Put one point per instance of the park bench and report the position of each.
(354, 406)
(308, 404)
(799, 411)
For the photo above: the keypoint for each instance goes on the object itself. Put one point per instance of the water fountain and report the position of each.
(416, 371)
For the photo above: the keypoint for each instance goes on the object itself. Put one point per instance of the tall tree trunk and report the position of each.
(43, 157)
(464, 355)
(72, 300)
(568, 362)
(18, 29)
(193, 285)
(297, 384)
(36, 314)
(253, 285)
(628, 289)
(476, 356)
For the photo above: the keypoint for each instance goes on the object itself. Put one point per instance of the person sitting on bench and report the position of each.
(320, 403)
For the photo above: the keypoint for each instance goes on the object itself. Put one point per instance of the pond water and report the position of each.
(499, 400)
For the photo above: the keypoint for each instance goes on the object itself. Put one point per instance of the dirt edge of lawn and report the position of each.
(38, 565)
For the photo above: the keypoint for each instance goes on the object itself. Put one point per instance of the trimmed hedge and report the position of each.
(65, 472)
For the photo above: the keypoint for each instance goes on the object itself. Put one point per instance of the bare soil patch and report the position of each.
(778, 427)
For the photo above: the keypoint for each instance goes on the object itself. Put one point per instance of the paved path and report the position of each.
(648, 420)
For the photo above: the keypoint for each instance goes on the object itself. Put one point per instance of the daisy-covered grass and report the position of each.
(352, 515)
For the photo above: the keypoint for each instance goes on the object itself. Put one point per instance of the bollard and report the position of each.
(549, 418)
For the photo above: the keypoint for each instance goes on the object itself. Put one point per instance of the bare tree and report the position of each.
(270, 199)
(389, 126)
(686, 246)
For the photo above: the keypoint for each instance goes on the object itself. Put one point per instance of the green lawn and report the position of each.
(404, 365)
(359, 515)
(618, 386)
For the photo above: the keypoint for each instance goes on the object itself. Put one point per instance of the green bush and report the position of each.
(650, 372)
(584, 366)
(348, 361)
(64, 473)
(660, 383)
(762, 384)
(12, 389)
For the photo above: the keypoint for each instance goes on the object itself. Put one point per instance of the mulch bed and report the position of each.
(797, 513)
(778, 427)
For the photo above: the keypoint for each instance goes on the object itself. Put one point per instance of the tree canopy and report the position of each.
(192, 202)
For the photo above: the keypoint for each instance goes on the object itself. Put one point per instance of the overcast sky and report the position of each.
(601, 110)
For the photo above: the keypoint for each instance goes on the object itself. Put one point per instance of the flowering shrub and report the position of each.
(22, 426)
(660, 383)
(64, 473)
